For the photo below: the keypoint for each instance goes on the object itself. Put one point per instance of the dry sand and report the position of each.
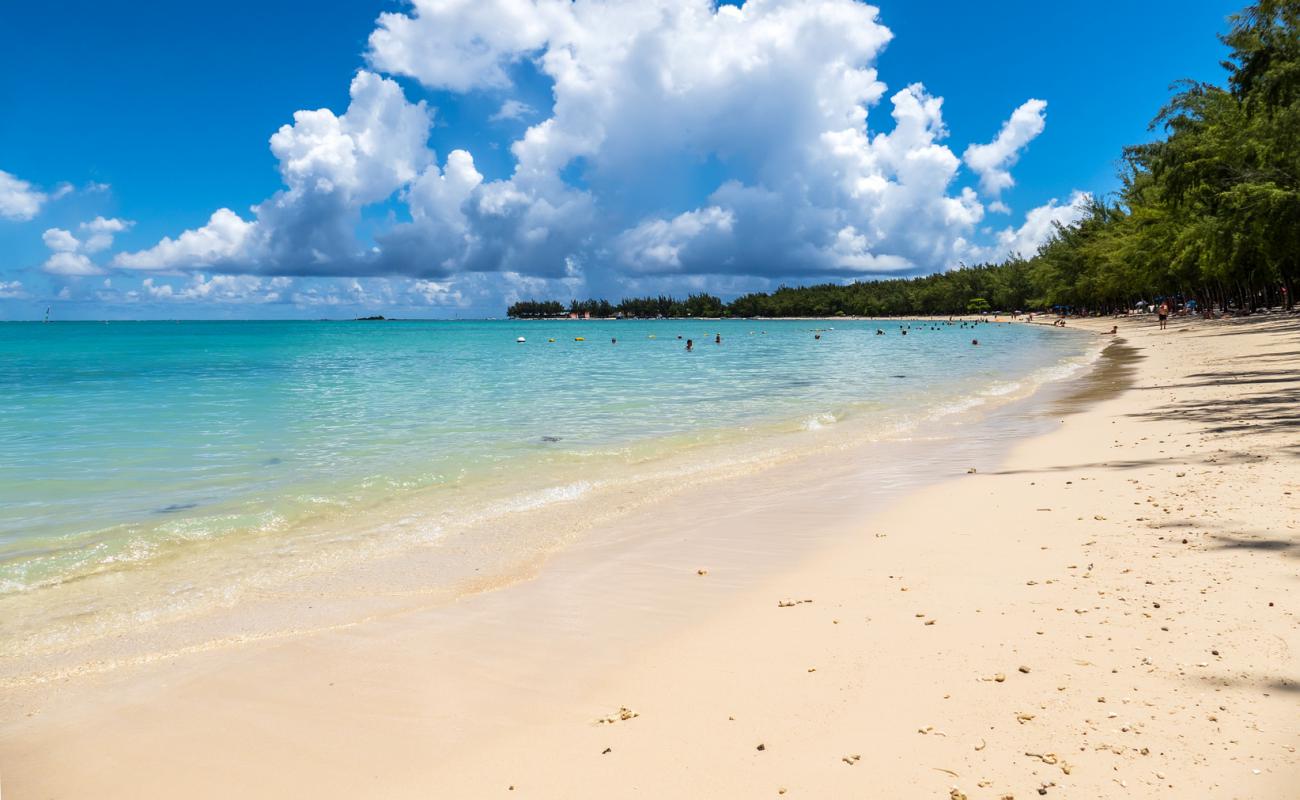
(1106, 610)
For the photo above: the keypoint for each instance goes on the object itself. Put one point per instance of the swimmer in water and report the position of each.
(717, 339)
(690, 345)
(613, 341)
(817, 336)
(975, 341)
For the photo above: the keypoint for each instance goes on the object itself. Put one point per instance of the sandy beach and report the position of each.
(1106, 609)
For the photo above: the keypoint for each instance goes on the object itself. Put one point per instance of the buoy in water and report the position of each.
(579, 339)
(550, 340)
(521, 340)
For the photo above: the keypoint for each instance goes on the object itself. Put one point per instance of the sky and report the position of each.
(443, 158)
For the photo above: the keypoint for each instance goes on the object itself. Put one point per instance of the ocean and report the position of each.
(127, 447)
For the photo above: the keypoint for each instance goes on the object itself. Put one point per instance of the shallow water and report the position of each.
(123, 443)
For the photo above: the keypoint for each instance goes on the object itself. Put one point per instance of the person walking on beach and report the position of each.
(1163, 315)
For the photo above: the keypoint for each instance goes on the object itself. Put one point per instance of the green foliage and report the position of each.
(533, 309)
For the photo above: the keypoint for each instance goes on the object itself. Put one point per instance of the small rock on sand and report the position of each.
(622, 715)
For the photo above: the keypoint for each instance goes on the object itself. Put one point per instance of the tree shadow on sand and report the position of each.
(1256, 413)
(1252, 325)
(1264, 683)
(1139, 463)
(1238, 379)
(1267, 544)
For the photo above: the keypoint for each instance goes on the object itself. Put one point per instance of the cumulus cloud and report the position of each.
(773, 101)
(100, 232)
(226, 237)
(11, 290)
(60, 240)
(219, 289)
(70, 264)
(70, 254)
(19, 200)
(993, 161)
(435, 293)
(659, 243)
(462, 44)
(332, 166)
(1039, 225)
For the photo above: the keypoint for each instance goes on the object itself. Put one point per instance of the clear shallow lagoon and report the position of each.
(123, 441)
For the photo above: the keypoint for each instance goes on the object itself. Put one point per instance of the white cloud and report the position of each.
(11, 290)
(435, 293)
(219, 289)
(226, 237)
(60, 240)
(370, 151)
(462, 44)
(101, 232)
(70, 254)
(71, 264)
(332, 166)
(1039, 225)
(993, 161)
(370, 293)
(771, 101)
(513, 110)
(658, 244)
(19, 200)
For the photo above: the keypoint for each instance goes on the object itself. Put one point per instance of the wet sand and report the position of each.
(1106, 610)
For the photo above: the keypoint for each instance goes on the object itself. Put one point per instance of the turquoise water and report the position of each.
(117, 439)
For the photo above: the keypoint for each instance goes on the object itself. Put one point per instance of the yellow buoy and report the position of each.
(579, 339)
(550, 340)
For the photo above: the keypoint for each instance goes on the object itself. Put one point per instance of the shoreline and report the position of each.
(197, 595)
(854, 692)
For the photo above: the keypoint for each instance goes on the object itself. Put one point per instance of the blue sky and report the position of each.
(157, 118)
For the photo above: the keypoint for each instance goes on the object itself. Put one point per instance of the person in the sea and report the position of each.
(690, 345)
(1163, 315)
(1114, 329)
(613, 341)
(975, 341)
(717, 339)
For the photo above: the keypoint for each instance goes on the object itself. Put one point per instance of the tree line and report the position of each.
(1209, 211)
(696, 305)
